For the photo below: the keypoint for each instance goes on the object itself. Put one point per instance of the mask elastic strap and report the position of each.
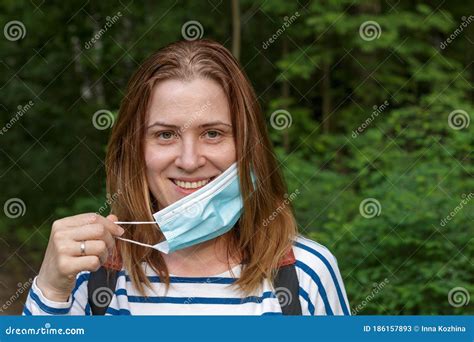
(135, 242)
(162, 246)
(135, 222)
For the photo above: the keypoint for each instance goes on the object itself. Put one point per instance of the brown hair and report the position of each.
(260, 242)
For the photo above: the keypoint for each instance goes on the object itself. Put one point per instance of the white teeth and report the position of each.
(191, 185)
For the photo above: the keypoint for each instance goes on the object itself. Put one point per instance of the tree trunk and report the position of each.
(99, 85)
(285, 93)
(85, 84)
(236, 29)
(326, 94)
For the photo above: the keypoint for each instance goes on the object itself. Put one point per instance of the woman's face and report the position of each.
(189, 138)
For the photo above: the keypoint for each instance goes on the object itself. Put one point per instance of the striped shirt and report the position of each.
(321, 292)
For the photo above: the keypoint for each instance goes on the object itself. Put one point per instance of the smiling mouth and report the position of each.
(192, 185)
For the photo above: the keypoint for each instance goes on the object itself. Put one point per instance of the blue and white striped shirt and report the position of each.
(321, 292)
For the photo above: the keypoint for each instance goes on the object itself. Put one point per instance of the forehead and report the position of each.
(177, 101)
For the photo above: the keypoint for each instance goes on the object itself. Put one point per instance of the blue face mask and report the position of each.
(202, 215)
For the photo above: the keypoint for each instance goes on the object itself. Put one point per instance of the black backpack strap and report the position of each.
(287, 290)
(100, 289)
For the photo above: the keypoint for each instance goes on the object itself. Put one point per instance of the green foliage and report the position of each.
(418, 170)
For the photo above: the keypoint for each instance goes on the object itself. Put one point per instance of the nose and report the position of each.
(190, 157)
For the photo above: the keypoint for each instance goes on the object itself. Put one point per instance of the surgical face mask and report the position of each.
(203, 215)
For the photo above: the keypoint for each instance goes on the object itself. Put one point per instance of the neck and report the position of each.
(205, 259)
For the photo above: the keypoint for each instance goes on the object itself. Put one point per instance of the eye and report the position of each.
(213, 134)
(166, 135)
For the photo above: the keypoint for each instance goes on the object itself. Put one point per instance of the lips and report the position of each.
(192, 184)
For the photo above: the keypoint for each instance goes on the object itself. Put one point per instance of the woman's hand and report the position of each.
(63, 259)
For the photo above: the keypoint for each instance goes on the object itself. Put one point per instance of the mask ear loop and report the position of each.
(132, 241)
(135, 242)
(135, 222)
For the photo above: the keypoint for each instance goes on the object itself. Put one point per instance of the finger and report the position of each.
(113, 228)
(83, 263)
(76, 220)
(90, 218)
(112, 218)
(91, 247)
(93, 232)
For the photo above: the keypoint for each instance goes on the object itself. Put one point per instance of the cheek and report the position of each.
(229, 152)
(152, 160)
(155, 162)
(223, 155)
(157, 158)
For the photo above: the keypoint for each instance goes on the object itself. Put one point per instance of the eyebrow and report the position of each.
(213, 123)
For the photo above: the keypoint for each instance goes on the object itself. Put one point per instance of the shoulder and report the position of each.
(310, 251)
(319, 276)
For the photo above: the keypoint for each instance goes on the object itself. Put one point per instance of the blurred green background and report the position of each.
(371, 104)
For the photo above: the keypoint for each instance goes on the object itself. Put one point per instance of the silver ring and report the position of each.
(83, 248)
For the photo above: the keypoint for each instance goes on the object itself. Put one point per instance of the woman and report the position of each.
(189, 131)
